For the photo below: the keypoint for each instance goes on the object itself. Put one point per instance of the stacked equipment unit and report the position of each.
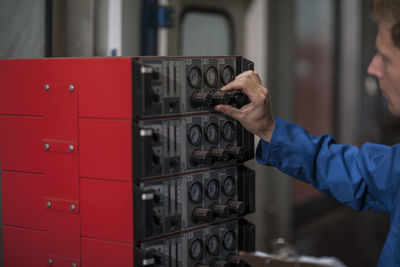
(124, 162)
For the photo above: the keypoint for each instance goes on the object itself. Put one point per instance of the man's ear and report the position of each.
(396, 34)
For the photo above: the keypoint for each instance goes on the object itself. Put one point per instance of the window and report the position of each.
(206, 33)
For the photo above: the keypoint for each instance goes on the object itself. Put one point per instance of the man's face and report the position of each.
(386, 67)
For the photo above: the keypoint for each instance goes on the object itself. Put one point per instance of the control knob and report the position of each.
(202, 214)
(221, 211)
(236, 207)
(235, 261)
(239, 99)
(219, 154)
(201, 99)
(201, 157)
(236, 152)
(220, 98)
(219, 263)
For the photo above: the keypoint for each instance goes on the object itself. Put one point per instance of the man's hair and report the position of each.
(388, 11)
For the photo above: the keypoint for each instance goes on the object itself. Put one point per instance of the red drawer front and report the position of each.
(21, 87)
(24, 247)
(106, 149)
(102, 253)
(23, 203)
(105, 85)
(106, 210)
(21, 147)
(63, 235)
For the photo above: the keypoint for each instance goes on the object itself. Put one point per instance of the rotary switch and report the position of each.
(201, 99)
(236, 152)
(239, 99)
(221, 211)
(219, 263)
(236, 207)
(202, 215)
(201, 157)
(220, 98)
(235, 261)
(219, 154)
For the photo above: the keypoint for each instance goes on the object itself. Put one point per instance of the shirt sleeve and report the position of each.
(363, 178)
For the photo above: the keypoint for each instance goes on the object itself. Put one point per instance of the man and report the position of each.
(363, 178)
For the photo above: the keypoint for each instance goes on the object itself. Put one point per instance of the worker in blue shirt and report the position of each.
(363, 178)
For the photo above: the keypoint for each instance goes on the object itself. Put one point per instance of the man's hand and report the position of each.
(255, 116)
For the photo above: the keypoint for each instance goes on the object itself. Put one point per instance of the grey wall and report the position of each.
(22, 28)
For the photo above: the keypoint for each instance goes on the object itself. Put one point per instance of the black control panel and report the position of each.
(181, 144)
(191, 189)
(214, 246)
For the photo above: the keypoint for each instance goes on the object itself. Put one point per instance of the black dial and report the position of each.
(194, 77)
(228, 186)
(196, 192)
(228, 131)
(211, 76)
(195, 135)
(229, 240)
(227, 75)
(213, 245)
(212, 189)
(212, 133)
(196, 249)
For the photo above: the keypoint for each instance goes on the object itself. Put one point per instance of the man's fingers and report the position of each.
(228, 110)
(235, 84)
(249, 73)
(240, 84)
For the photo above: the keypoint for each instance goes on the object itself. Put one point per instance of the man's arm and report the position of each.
(362, 178)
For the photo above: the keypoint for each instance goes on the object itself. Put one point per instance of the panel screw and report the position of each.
(48, 204)
(46, 146)
(72, 207)
(50, 261)
(73, 264)
(46, 87)
(71, 87)
(71, 148)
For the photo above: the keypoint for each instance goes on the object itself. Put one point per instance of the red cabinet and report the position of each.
(66, 161)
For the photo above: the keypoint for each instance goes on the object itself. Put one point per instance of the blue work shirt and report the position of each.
(362, 178)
